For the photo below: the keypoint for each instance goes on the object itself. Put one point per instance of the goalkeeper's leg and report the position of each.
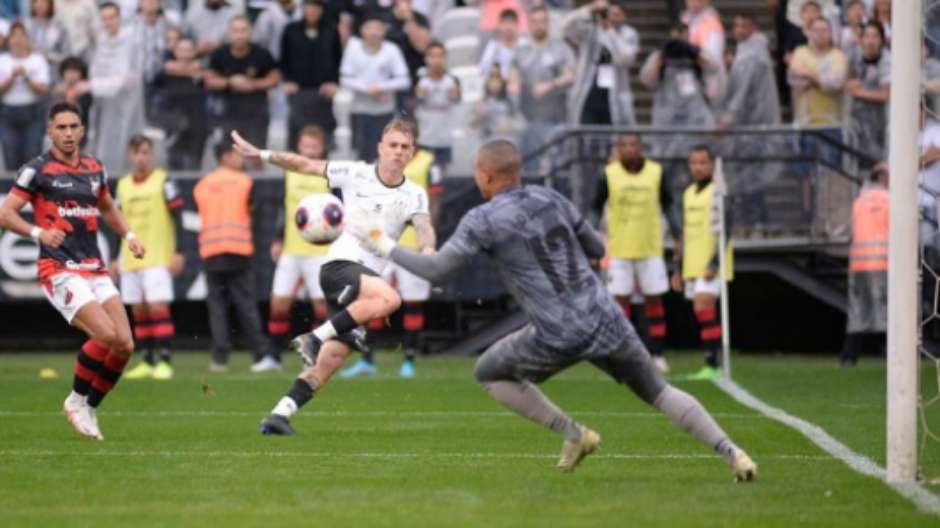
(632, 366)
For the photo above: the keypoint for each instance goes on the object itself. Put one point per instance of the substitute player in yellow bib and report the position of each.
(699, 256)
(298, 261)
(636, 199)
(152, 205)
(414, 290)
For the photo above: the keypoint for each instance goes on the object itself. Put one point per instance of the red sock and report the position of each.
(107, 378)
(89, 361)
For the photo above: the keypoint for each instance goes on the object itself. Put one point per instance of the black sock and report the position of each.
(301, 392)
(165, 355)
(343, 322)
(369, 357)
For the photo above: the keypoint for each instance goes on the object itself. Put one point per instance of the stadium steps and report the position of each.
(794, 274)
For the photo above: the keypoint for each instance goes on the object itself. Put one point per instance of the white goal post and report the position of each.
(903, 261)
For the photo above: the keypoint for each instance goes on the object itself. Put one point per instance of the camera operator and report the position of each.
(676, 73)
(607, 46)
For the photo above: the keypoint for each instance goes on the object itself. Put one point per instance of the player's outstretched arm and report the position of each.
(285, 160)
(430, 267)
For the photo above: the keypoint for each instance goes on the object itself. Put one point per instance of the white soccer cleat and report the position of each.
(74, 409)
(573, 452)
(92, 415)
(266, 364)
(745, 470)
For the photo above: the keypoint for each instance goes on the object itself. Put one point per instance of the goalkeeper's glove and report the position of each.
(368, 229)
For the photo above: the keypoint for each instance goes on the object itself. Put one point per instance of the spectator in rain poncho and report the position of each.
(676, 75)
(751, 100)
(867, 91)
(607, 47)
(117, 85)
(868, 269)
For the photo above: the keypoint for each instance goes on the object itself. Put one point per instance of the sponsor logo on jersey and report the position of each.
(61, 184)
(78, 212)
(68, 297)
(95, 185)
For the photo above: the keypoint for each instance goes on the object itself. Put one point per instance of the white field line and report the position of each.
(363, 414)
(920, 496)
(16, 453)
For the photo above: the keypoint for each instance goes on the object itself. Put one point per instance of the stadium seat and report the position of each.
(471, 82)
(459, 22)
(342, 106)
(462, 51)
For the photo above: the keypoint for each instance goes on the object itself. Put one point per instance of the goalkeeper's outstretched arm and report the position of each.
(285, 160)
(429, 267)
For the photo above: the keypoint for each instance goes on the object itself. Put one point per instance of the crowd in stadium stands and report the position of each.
(217, 65)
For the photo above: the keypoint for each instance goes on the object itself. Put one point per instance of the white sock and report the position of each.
(76, 397)
(325, 332)
(286, 407)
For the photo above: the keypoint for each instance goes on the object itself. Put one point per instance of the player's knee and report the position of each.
(391, 300)
(107, 336)
(489, 369)
(124, 346)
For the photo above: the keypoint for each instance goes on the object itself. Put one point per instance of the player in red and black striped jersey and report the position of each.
(69, 192)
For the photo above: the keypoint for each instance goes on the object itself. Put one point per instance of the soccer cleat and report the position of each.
(92, 415)
(360, 368)
(407, 369)
(745, 470)
(661, 365)
(307, 346)
(573, 452)
(267, 364)
(276, 424)
(163, 371)
(74, 409)
(706, 373)
(141, 371)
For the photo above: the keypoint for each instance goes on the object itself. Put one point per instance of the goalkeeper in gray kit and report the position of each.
(541, 246)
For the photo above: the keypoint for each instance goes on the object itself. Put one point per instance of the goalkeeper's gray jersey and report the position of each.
(532, 235)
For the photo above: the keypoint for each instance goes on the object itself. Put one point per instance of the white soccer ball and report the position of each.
(320, 218)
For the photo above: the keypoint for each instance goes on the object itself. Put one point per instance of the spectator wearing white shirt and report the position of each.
(24, 79)
(374, 69)
(437, 92)
(500, 51)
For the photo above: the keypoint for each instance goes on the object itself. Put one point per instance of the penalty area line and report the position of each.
(920, 496)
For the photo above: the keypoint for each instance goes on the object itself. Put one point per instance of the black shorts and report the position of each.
(340, 280)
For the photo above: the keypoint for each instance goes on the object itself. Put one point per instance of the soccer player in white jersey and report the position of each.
(351, 276)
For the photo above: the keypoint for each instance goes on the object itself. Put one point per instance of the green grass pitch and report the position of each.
(437, 451)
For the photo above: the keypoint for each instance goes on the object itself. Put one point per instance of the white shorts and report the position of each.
(410, 286)
(624, 274)
(152, 285)
(294, 274)
(701, 286)
(69, 292)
